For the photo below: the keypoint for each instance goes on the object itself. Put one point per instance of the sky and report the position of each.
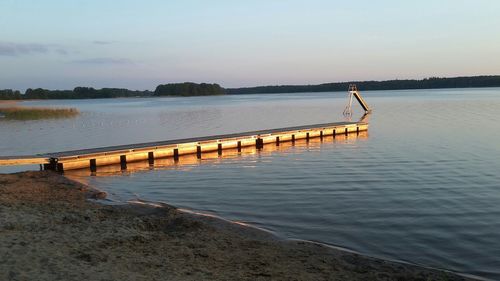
(61, 44)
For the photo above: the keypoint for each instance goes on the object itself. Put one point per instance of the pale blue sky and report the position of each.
(60, 44)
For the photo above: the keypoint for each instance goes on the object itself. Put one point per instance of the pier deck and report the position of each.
(24, 160)
(123, 154)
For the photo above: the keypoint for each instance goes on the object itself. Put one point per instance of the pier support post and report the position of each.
(293, 138)
(151, 158)
(277, 141)
(93, 165)
(123, 162)
(307, 137)
(198, 151)
(219, 149)
(60, 167)
(334, 133)
(239, 146)
(321, 135)
(176, 154)
(52, 166)
(346, 131)
(259, 143)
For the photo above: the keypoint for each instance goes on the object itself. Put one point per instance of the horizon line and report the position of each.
(269, 85)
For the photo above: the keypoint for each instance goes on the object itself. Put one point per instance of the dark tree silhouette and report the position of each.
(189, 89)
(9, 94)
(428, 83)
(204, 89)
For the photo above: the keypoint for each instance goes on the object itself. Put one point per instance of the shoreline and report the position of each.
(49, 229)
(7, 102)
(257, 93)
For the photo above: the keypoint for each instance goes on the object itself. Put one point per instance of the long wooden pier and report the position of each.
(123, 154)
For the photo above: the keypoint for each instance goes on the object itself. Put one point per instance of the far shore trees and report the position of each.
(427, 83)
(174, 89)
(83, 93)
(205, 89)
(9, 94)
(189, 89)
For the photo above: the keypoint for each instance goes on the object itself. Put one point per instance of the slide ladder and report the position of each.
(353, 92)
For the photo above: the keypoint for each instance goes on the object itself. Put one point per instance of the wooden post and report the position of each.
(321, 135)
(277, 141)
(334, 133)
(151, 158)
(176, 154)
(123, 162)
(198, 151)
(219, 149)
(307, 137)
(293, 138)
(60, 167)
(357, 130)
(239, 146)
(93, 165)
(346, 132)
(52, 166)
(259, 143)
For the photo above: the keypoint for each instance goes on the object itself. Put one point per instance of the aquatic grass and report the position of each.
(34, 113)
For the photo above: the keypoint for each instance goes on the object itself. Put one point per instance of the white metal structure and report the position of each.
(353, 93)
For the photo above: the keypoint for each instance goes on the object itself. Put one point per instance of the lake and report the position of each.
(422, 186)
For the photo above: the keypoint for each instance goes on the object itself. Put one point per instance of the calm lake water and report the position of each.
(422, 186)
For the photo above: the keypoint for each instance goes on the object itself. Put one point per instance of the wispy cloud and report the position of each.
(61, 51)
(17, 49)
(12, 49)
(102, 42)
(104, 61)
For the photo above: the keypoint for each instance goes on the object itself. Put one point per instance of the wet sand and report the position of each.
(50, 230)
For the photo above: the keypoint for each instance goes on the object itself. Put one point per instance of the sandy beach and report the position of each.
(52, 229)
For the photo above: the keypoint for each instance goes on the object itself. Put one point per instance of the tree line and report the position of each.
(83, 93)
(76, 93)
(189, 89)
(427, 83)
(9, 94)
(174, 89)
(204, 89)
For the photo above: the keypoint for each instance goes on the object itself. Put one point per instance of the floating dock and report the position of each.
(93, 158)
(187, 162)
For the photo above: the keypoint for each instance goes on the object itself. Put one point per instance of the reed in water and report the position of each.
(34, 113)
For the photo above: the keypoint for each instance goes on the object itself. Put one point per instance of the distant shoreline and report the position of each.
(408, 84)
(172, 96)
(189, 89)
